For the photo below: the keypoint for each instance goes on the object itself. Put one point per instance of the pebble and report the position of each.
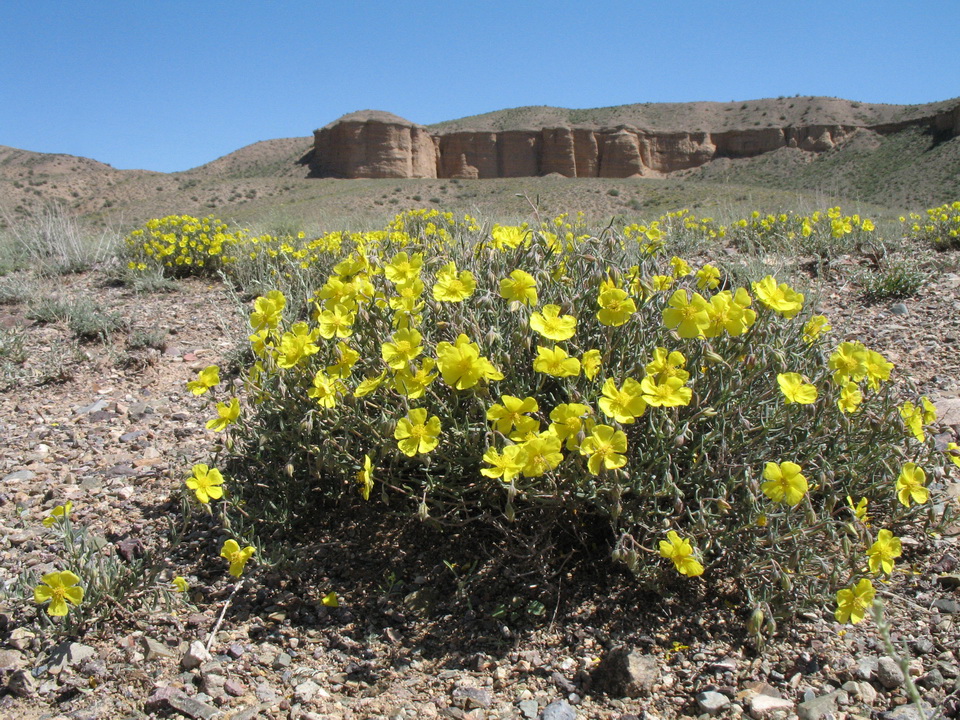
(763, 706)
(558, 710)
(889, 673)
(822, 707)
(195, 656)
(711, 702)
(19, 476)
(626, 672)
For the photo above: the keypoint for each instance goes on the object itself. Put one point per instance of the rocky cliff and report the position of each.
(371, 144)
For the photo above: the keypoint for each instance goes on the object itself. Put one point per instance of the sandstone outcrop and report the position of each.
(371, 144)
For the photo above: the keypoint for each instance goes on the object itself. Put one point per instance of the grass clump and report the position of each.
(584, 382)
(82, 316)
(895, 279)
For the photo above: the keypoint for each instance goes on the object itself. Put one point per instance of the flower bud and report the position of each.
(289, 469)
(755, 623)
(423, 512)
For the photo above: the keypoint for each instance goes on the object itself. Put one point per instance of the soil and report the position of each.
(430, 623)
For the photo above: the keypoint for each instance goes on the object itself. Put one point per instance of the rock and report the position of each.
(711, 702)
(899, 309)
(193, 708)
(866, 668)
(558, 710)
(158, 700)
(234, 688)
(908, 712)
(19, 476)
(932, 679)
(212, 684)
(470, 698)
(153, 649)
(306, 691)
(762, 706)
(10, 660)
(922, 646)
(948, 413)
(821, 708)
(68, 654)
(20, 638)
(626, 672)
(947, 605)
(195, 656)
(22, 684)
(529, 709)
(889, 673)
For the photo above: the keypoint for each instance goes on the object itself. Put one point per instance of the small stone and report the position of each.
(20, 639)
(69, 654)
(22, 684)
(899, 309)
(529, 709)
(922, 646)
(947, 605)
(283, 661)
(10, 660)
(235, 650)
(195, 656)
(889, 673)
(153, 649)
(868, 693)
(626, 672)
(470, 698)
(762, 706)
(933, 679)
(306, 691)
(866, 668)
(212, 684)
(233, 687)
(908, 712)
(192, 707)
(19, 476)
(711, 702)
(558, 710)
(823, 707)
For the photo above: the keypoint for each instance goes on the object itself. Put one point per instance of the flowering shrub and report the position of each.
(822, 233)
(181, 245)
(939, 226)
(713, 430)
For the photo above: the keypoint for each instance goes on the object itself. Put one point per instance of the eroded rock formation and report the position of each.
(371, 144)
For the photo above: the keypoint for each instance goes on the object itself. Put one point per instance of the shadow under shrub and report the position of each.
(419, 386)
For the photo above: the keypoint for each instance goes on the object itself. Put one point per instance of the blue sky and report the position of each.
(173, 84)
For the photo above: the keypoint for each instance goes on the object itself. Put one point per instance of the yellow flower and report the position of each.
(666, 365)
(519, 287)
(953, 452)
(552, 325)
(237, 558)
(206, 483)
(207, 378)
(779, 298)
(404, 348)
(452, 286)
(604, 447)
(852, 603)
(325, 389)
(330, 600)
(297, 344)
(227, 414)
(506, 465)
(708, 278)
(365, 478)
(616, 307)
(461, 365)
(859, 510)
(59, 588)
(910, 485)
(567, 422)
(785, 483)
(368, 385)
(509, 415)
(850, 397)
(680, 267)
(913, 419)
(413, 383)
(267, 311)
(929, 414)
(848, 362)
(180, 584)
(795, 390)
(688, 316)
(591, 361)
(415, 434)
(506, 236)
(556, 362)
(335, 322)
(623, 405)
(60, 512)
(680, 551)
(403, 268)
(878, 369)
(815, 327)
(671, 392)
(540, 454)
(883, 552)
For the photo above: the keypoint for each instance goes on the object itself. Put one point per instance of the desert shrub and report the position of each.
(894, 279)
(181, 245)
(582, 379)
(824, 234)
(82, 316)
(940, 226)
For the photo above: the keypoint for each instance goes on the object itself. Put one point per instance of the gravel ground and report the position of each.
(111, 429)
